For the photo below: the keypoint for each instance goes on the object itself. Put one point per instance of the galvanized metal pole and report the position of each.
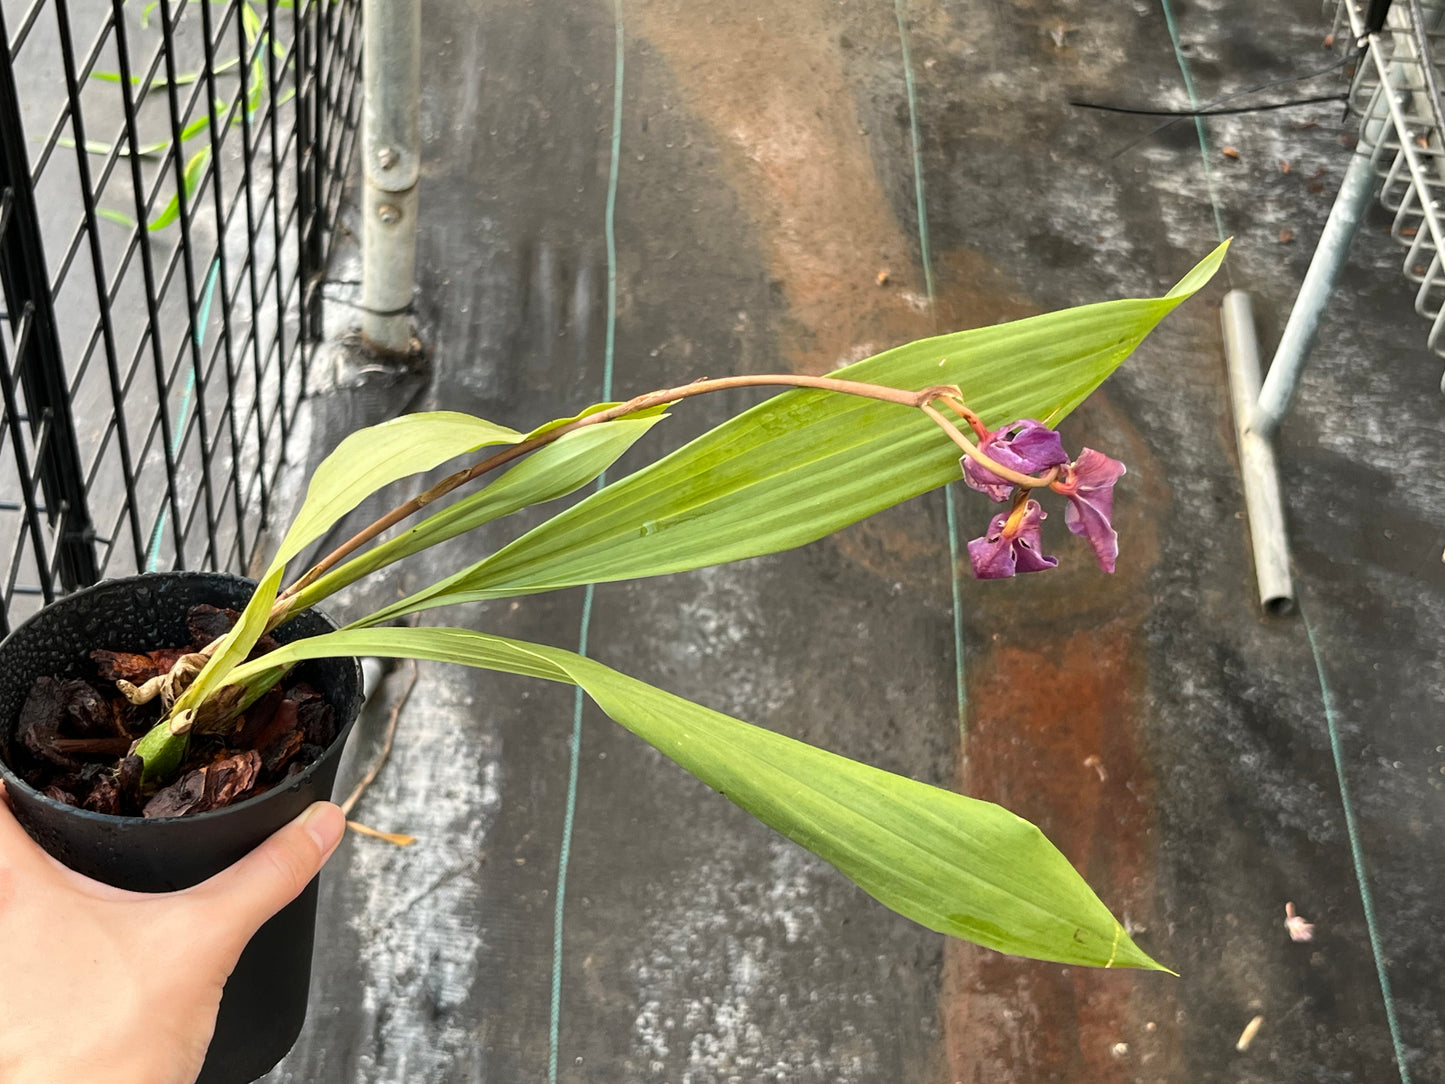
(391, 164)
(1262, 500)
(1314, 294)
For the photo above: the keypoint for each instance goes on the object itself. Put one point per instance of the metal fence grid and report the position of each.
(170, 178)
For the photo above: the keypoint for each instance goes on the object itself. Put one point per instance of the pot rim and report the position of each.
(10, 779)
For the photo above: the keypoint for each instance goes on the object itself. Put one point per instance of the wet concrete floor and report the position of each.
(1170, 739)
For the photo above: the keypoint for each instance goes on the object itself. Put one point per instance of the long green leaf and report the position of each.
(807, 463)
(378, 455)
(552, 471)
(595, 408)
(957, 865)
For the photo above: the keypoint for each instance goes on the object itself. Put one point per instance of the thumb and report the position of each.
(239, 899)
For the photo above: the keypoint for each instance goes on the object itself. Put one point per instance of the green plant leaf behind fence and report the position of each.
(552, 471)
(250, 22)
(184, 79)
(190, 181)
(96, 146)
(807, 463)
(363, 463)
(193, 171)
(120, 218)
(955, 864)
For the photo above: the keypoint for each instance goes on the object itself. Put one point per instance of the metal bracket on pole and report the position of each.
(391, 165)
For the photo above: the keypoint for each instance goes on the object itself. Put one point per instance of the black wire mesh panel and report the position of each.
(170, 176)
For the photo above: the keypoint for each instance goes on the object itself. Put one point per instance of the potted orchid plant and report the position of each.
(199, 733)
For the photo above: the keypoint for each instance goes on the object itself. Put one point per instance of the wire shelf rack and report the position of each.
(1396, 95)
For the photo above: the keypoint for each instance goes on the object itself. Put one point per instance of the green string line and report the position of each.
(959, 677)
(608, 356)
(1198, 121)
(900, 13)
(203, 316)
(1357, 852)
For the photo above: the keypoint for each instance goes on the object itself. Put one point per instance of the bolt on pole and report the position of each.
(391, 165)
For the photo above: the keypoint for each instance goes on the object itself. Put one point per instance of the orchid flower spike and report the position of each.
(1011, 544)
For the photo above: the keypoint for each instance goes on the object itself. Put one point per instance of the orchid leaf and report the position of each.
(378, 455)
(552, 471)
(201, 123)
(595, 408)
(366, 461)
(806, 463)
(955, 864)
(191, 178)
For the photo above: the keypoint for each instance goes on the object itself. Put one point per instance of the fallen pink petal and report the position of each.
(1299, 929)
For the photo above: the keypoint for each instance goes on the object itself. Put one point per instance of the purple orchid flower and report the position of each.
(1026, 446)
(1089, 486)
(1011, 544)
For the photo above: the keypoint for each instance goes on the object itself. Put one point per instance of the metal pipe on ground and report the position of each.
(1314, 294)
(1263, 502)
(391, 165)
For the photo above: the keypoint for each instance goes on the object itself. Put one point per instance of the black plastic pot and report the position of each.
(264, 1004)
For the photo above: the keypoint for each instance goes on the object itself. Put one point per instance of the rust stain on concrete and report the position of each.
(1056, 703)
(1061, 684)
(797, 153)
(783, 110)
(778, 104)
(1052, 738)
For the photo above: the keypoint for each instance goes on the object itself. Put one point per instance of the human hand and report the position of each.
(97, 983)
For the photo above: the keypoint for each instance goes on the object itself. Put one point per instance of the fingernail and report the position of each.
(325, 824)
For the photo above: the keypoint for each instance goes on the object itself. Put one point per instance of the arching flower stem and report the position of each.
(949, 394)
(1027, 481)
